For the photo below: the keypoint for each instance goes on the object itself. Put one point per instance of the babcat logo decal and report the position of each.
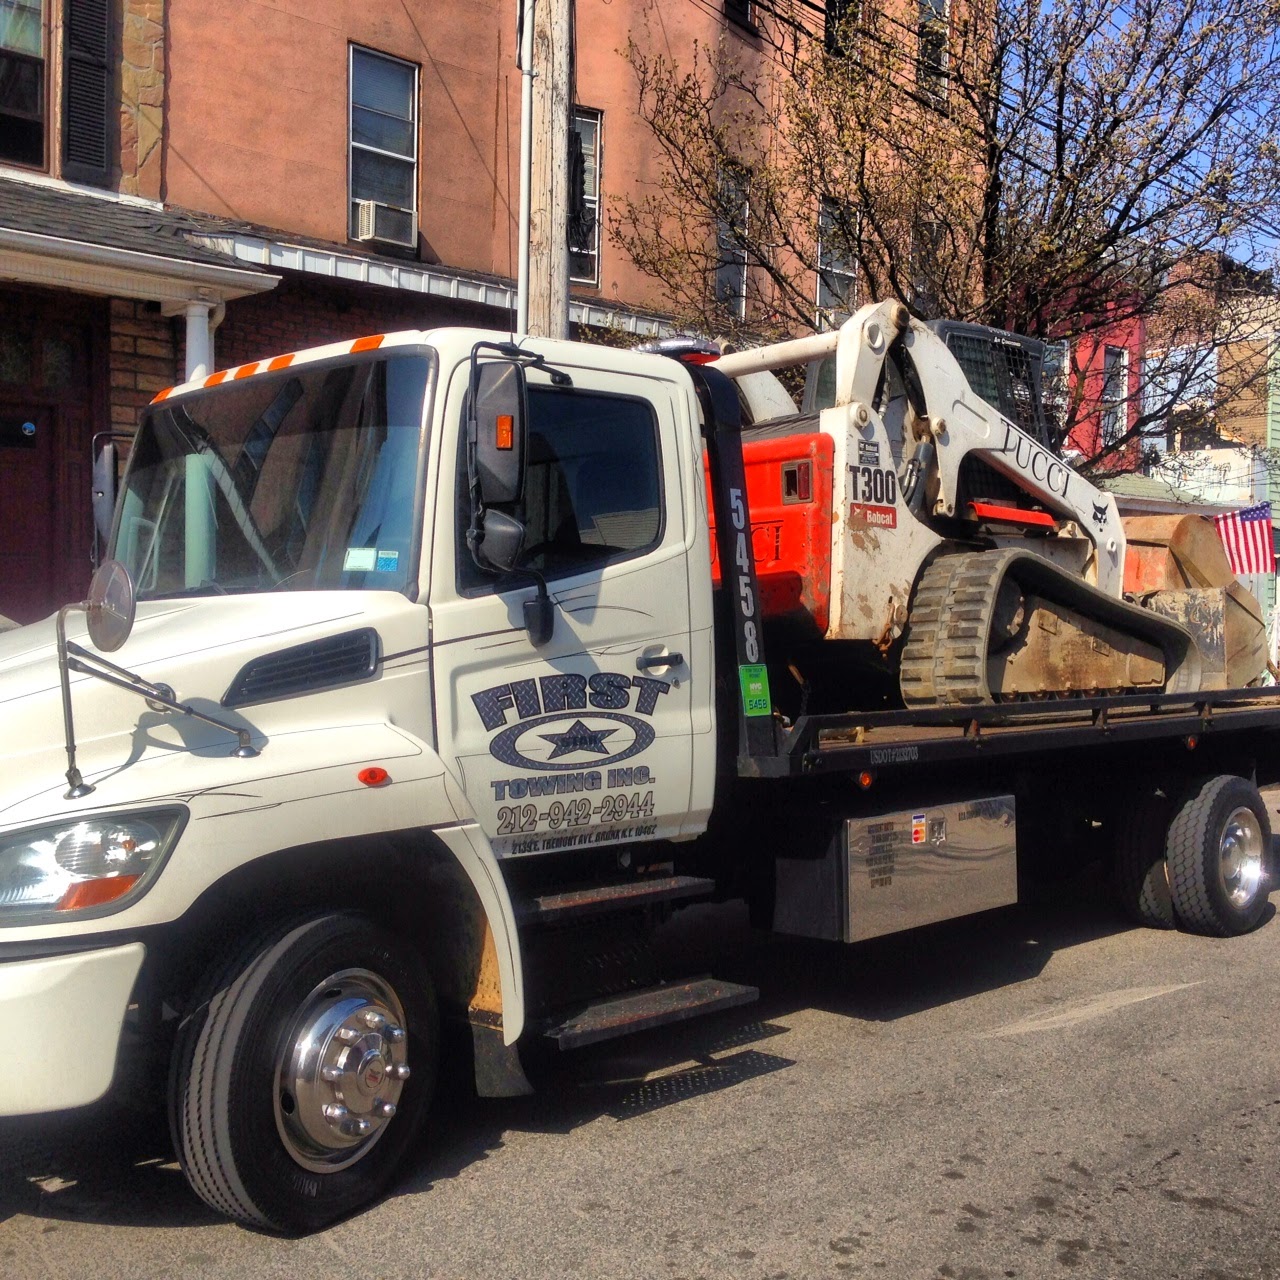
(565, 722)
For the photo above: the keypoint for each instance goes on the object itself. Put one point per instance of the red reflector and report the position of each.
(505, 431)
(93, 893)
(374, 776)
(1192, 742)
(1012, 515)
(865, 779)
(699, 357)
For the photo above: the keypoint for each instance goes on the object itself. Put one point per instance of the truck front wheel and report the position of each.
(1217, 852)
(302, 1075)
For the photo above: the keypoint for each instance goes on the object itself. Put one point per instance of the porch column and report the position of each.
(199, 341)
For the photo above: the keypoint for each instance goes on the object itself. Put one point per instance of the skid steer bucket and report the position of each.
(1177, 566)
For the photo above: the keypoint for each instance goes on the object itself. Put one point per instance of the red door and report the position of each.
(28, 450)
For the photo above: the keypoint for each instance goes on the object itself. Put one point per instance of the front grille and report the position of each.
(306, 668)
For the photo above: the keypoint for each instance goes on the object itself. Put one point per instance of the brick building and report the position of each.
(165, 206)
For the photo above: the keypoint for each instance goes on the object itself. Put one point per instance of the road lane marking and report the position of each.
(1083, 1010)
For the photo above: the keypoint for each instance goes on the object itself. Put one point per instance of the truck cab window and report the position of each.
(593, 489)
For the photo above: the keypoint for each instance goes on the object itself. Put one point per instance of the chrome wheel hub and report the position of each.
(1240, 857)
(341, 1071)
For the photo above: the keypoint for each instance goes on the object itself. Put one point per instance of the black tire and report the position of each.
(237, 1129)
(1218, 880)
(1139, 874)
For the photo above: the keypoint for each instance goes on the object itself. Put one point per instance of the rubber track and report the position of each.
(1185, 852)
(944, 660)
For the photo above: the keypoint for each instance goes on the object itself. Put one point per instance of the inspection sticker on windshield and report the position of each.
(360, 560)
(388, 561)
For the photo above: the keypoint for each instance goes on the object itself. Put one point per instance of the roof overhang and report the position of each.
(415, 277)
(30, 258)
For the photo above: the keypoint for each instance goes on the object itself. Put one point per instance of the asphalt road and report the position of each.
(1042, 1091)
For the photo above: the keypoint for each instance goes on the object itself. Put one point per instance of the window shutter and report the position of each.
(86, 153)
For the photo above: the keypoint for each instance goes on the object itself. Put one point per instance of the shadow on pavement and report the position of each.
(118, 1169)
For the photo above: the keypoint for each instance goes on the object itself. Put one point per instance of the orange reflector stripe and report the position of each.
(1012, 515)
(246, 370)
(367, 344)
(505, 431)
(93, 893)
(280, 362)
(162, 395)
(214, 378)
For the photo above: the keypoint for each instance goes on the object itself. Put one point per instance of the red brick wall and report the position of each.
(144, 358)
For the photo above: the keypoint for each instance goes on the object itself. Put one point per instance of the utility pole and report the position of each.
(548, 300)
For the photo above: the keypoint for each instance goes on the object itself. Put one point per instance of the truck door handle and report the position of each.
(659, 660)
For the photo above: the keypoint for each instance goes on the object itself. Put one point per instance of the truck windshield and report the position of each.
(300, 480)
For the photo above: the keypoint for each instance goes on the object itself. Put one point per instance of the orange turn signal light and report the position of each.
(505, 431)
(93, 893)
(374, 776)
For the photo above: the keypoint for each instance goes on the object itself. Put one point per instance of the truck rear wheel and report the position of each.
(1218, 847)
(1139, 872)
(302, 1076)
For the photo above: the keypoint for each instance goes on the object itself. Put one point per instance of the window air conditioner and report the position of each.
(384, 223)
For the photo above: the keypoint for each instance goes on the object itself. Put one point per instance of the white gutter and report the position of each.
(30, 258)
(415, 277)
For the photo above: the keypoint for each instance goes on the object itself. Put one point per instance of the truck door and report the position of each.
(587, 740)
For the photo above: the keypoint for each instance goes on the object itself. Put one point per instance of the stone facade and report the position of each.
(142, 98)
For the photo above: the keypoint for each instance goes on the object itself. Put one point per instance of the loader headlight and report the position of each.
(83, 863)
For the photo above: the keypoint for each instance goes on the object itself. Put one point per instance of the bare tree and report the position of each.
(1062, 170)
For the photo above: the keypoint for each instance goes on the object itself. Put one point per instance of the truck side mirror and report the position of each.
(497, 431)
(500, 416)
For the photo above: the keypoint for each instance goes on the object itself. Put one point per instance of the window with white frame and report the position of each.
(837, 269)
(730, 285)
(384, 148)
(1113, 418)
(584, 222)
(932, 25)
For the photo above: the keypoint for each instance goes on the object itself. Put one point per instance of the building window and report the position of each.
(584, 212)
(1113, 419)
(731, 251)
(841, 18)
(384, 148)
(927, 244)
(931, 63)
(837, 272)
(22, 82)
(743, 12)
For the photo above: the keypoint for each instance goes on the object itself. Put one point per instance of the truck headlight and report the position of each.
(83, 862)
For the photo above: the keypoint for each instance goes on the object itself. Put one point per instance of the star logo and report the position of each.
(577, 737)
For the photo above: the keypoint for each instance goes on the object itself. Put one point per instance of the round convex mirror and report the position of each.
(110, 606)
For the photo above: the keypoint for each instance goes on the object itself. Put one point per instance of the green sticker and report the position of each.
(755, 691)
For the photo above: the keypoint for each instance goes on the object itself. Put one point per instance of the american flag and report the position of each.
(1247, 537)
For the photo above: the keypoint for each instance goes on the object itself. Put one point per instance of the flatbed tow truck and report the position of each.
(409, 693)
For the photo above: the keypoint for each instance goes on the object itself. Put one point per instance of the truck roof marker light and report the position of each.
(865, 779)
(367, 344)
(94, 893)
(374, 776)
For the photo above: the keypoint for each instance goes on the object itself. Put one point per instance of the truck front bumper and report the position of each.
(60, 1022)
